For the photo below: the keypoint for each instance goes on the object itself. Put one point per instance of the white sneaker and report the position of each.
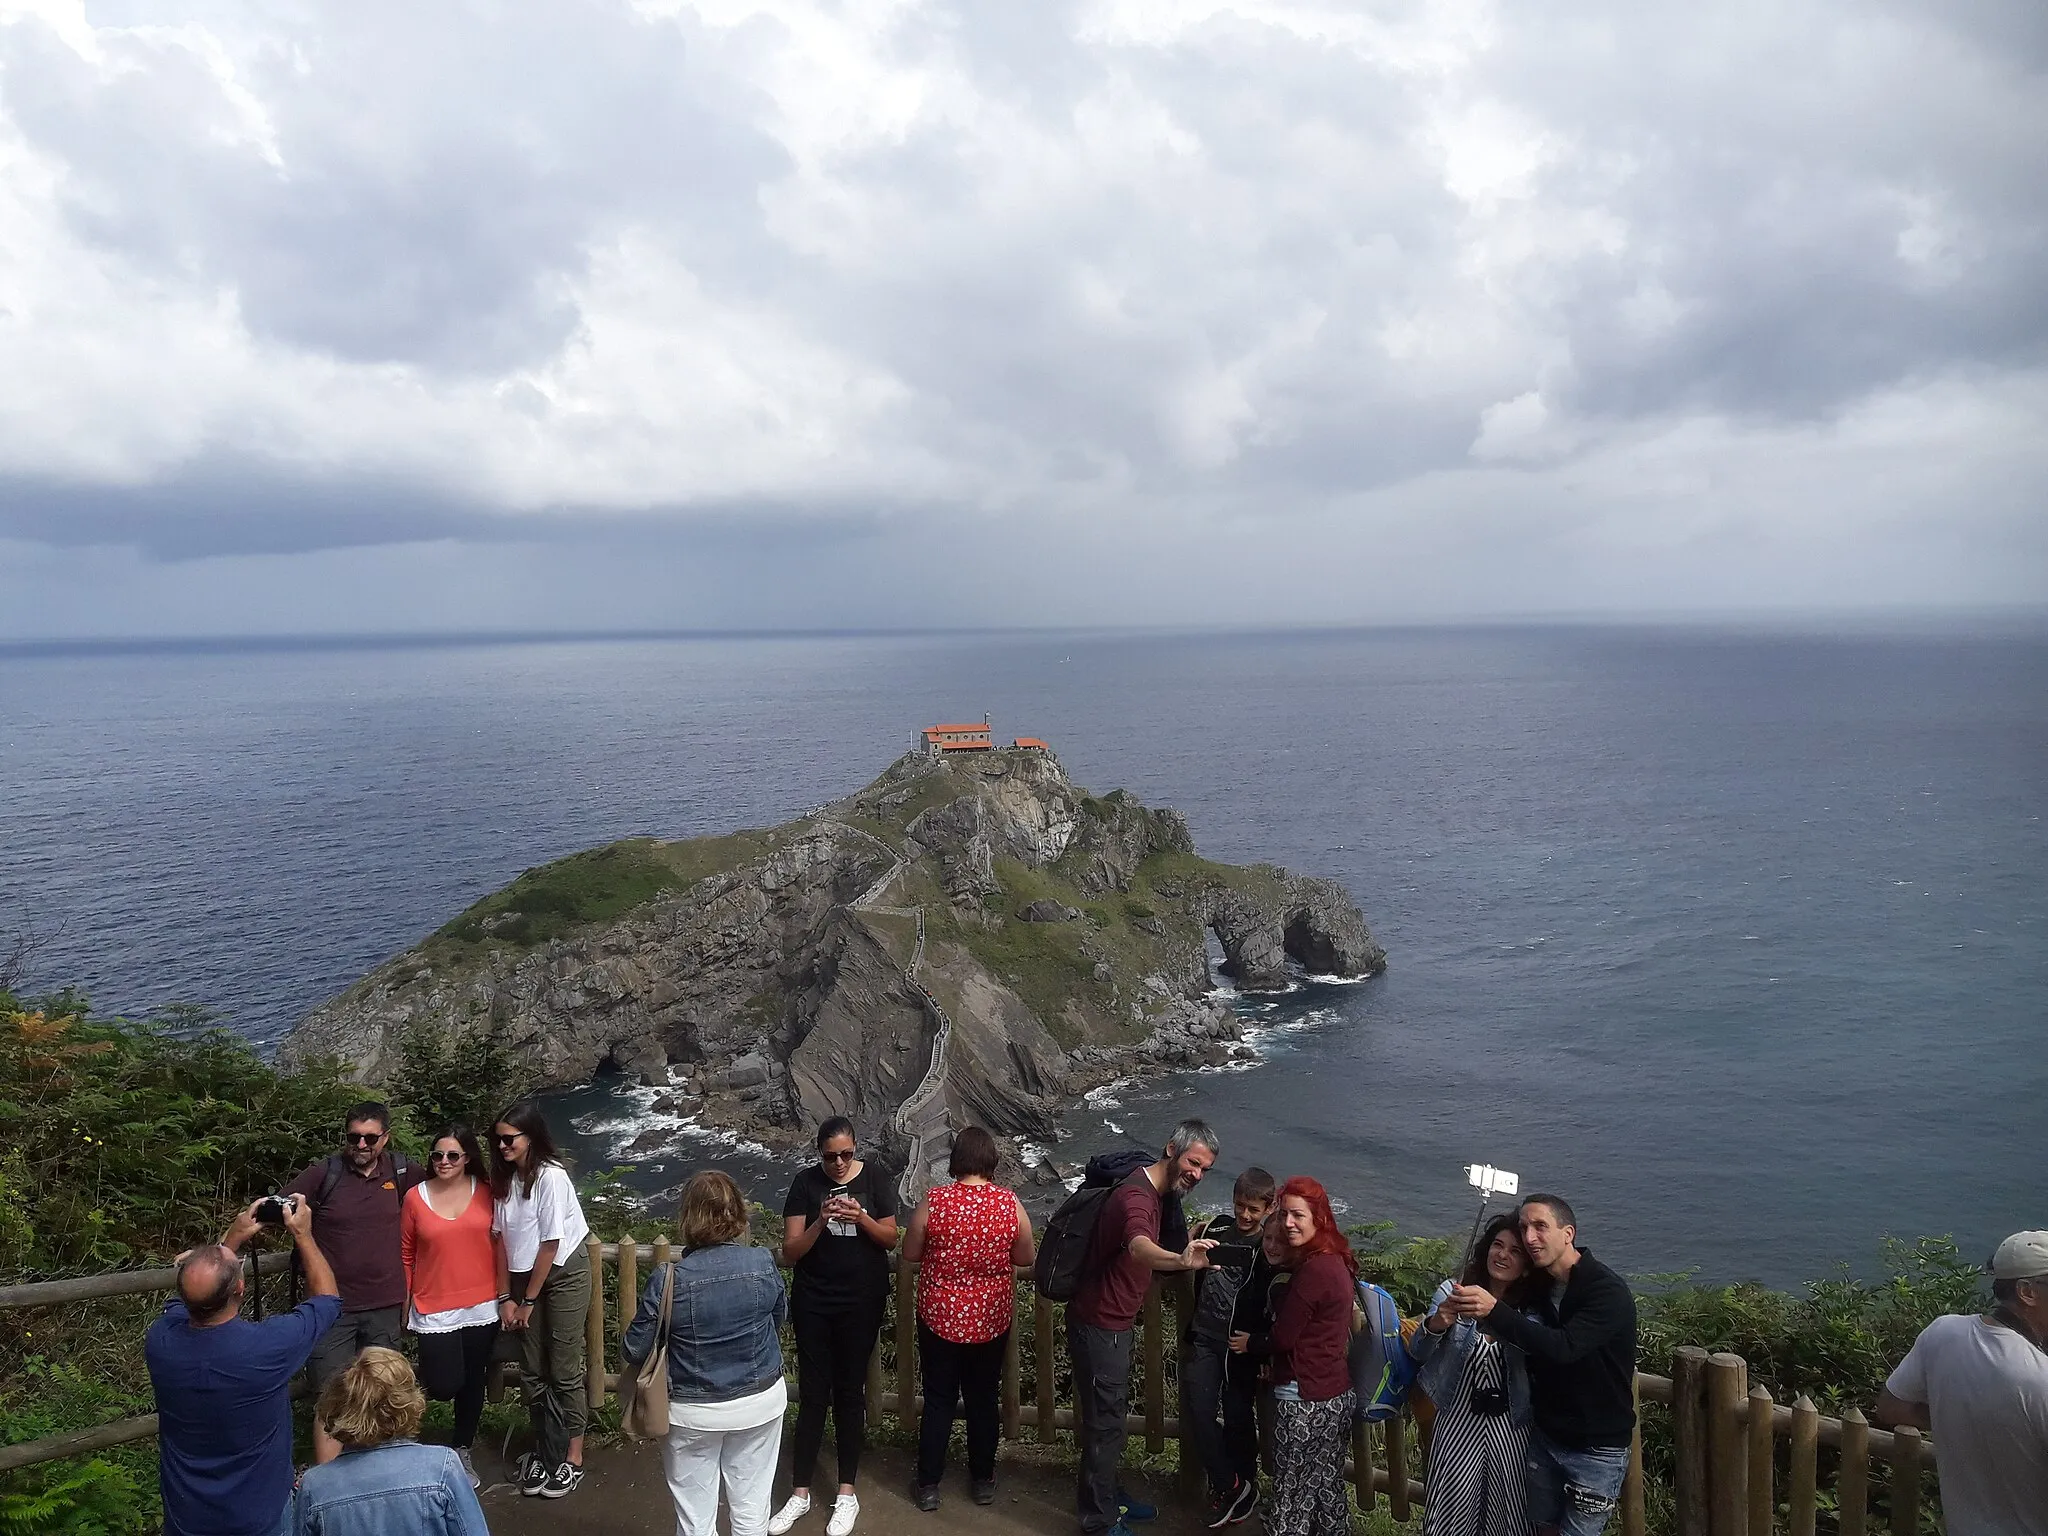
(794, 1509)
(845, 1510)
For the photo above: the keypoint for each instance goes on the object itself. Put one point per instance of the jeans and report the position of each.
(952, 1372)
(1573, 1491)
(832, 1350)
(1229, 1452)
(1102, 1394)
(551, 1357)
(452, 1369)
(696, 1460)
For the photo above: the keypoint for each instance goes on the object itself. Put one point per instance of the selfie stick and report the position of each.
(1489, 1181)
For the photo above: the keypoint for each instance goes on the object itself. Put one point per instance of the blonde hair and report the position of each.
(376, 1399)
(714, 1211)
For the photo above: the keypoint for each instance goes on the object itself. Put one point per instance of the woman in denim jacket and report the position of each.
(384, 1482)
(725, 1391)
(1478, 1449)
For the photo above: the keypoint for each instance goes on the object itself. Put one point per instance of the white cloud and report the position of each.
(974, 268)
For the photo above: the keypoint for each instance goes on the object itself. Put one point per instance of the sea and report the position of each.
(1735, 936)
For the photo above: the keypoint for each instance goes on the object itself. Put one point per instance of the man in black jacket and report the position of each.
(1580, 1341)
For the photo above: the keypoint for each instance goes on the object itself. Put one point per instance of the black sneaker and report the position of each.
(1245, 1502)
(562, 1481)
(533, 1474)
(984, 1490)
(1216, 1514)
(927, 1495)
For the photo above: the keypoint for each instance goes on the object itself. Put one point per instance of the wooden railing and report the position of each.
(1728, 1439)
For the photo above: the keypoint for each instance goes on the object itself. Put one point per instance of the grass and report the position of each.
(595, 886)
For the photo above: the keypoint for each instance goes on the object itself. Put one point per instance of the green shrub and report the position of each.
(468, 1077)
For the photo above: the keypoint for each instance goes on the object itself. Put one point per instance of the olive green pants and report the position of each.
(551, 1357)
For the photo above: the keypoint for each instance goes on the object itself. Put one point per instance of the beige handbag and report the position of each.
(643, 1395)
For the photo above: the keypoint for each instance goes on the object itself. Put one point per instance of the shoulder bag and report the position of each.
(643, 1395)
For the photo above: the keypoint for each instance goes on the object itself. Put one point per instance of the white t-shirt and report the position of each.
(749, 1412)
(1986, 1391)
(551, 1213)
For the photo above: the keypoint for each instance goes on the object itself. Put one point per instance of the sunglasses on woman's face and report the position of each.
(836, 1157)
(446, 1157)
(513, 1140)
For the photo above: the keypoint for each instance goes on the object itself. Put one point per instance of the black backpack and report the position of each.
(1062, 1262)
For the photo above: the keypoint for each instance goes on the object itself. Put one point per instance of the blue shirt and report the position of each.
(225, 1415)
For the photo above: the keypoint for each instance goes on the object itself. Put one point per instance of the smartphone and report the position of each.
(840, 1228)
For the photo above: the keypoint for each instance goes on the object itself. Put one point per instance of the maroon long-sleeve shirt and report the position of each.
(1311, 1338)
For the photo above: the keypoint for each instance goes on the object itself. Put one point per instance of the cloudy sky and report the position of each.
(574, 314)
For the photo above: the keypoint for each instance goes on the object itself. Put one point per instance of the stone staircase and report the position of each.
(923, 1118)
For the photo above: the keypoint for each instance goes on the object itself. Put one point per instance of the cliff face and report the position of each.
(775, 978)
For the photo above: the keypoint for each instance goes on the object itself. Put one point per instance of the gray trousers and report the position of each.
(1102, 1396)
(551, 1356)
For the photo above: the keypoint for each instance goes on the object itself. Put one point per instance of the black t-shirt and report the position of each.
(843, 1268)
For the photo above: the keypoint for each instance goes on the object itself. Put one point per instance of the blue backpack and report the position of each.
(1381, 1367)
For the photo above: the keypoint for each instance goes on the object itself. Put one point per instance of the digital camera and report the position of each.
(271, 1208)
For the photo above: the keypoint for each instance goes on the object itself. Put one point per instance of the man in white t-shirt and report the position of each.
(1980, 1385)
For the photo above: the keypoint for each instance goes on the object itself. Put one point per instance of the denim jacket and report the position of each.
(723, 1340)
(1442, 1360)
(399, 1488)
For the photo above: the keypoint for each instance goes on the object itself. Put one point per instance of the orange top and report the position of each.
(448, 1264)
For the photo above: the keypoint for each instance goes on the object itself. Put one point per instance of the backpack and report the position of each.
(1062, 1262)
(1381, 1367)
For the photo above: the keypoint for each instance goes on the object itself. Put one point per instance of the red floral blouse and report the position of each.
(963, 1285)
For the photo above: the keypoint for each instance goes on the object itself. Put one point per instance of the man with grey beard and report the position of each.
(1123, 1255)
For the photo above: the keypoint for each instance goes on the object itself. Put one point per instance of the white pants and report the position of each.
(697, 1459)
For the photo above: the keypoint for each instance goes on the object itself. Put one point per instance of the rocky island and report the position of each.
(971, 938)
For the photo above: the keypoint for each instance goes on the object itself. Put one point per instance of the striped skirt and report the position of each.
(1309, 1442)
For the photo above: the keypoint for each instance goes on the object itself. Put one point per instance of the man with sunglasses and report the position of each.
(357, 1197)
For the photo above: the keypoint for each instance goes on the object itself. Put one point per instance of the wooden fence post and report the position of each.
(1804, 1471)
(1905, 1480)
(1397, 1467)
(1361, 1464)
(629, 1290)
(1689, 1438)
(1041, 1342)
(1013, 1373)
(1155, 1372)
(593, 1327)
(1852, 1484)
(1763, 1500)
(906, 1341)
(1727, 1465)
(1633, 1514)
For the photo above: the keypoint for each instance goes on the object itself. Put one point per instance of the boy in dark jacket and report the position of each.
(1214, 1378)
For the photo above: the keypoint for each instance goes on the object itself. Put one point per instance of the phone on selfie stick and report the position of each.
(1489, 1181)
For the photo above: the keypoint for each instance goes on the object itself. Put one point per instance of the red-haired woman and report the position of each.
(1309, 1348)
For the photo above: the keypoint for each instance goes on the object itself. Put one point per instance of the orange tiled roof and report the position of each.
(976, 729)
(1030, 741)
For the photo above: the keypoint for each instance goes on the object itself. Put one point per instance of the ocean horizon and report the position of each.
(1736, 934)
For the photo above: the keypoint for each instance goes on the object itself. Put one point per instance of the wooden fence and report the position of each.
(1728, 1439)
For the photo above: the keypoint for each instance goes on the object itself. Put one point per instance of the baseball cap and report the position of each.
(2023, 1256)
